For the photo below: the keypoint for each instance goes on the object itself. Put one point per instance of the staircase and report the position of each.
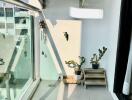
(94, 77)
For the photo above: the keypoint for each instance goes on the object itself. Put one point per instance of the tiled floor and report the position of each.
(51, 90)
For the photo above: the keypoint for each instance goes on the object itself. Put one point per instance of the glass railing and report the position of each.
(16, 51)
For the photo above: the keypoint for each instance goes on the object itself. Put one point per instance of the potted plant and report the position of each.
(96, 58)
(75, 65)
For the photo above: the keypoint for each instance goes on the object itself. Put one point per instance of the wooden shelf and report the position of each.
(96, 75)
(95, 82)
(93, 77)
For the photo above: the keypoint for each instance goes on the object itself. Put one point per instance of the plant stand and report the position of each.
(94, 77)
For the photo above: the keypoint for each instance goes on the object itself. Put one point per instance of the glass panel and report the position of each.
(1, 12)
(9, 12)
(46, 62)
(21, 31)
(16, 52)
(20, 20)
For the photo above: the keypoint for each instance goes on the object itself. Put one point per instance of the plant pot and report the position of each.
(77, 71)
(78, 79)
(95, 66)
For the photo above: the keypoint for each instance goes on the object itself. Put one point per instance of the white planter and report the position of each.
(77, 77)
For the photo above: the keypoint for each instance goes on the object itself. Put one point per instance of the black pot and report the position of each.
(78, 72)
(95, 66)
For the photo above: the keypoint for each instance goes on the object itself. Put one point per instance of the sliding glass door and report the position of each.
(16, 51)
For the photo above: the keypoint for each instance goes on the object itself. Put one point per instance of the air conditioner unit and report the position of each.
(84, 13)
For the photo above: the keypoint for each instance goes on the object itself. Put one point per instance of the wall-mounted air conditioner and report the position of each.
(84, 13)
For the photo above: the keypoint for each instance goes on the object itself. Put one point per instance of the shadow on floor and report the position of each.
(61, 91)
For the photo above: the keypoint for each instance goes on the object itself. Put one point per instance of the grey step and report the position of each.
(94, 71)
(90, 69)
(94, 76)
(86, 73)
(95, 82)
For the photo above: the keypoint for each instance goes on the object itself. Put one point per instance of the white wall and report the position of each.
(59, 9)
(95, 33)
(98, 33)
(114, 28)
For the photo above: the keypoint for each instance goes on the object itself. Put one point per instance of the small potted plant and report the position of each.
(75, 65)
(96, 58)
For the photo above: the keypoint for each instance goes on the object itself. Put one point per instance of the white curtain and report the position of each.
(127, 81)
